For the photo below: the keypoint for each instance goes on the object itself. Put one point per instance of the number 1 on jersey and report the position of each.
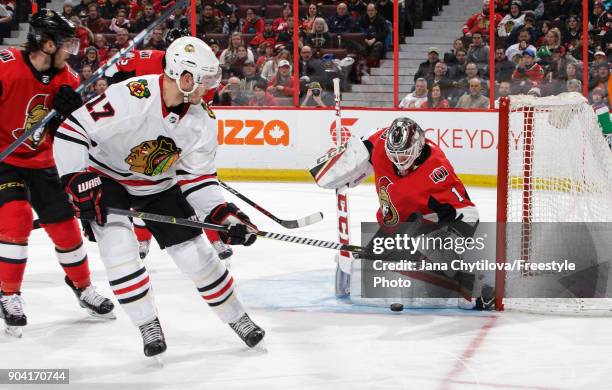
(107, 109)
(457, 194)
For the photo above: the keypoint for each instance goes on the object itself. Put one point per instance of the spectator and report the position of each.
(156, 41)
(282, 83)
(122, 39)
(600, 20)
(146, 18)
(528, 74)
(86, 73)
(269, 35)
(451, 57)
(552, 40)
(462, 86)
(600, 59)
(574, 85)
(231, 95)
(261, 97)
(572, 35)
(100, 86)
(319, 37)
(504, 90)
(250, 77)
(514, 19)
(232, 24)
(253, 24)
(341, 21)
(224, 8)
(120, 21)
(555, 10)
(211, 24)
(599, 98)
(81, 9)
(286, 37)
(426, 68)
(308, 22)
(478, 51)
(268, 53)
(435, 98)
(375, 28)
(94, 22)
(101, 45)
(440, 78)
(237, 63)
(524, 42)
(473, 98)
(309, 66)
(83, 33)
(480, 21)
(601, 77)
(317, 97)
(178, 19)
(418, 97)
(535, 6)
(529, 26)
(281, 23)
(214, 45)
(228, 55)
(543, 29)
(356, 8)
(458, 69)
(503, 66)
(112, 50)
(91, 59)
(271, 67)
(68, 9)
(110, 8)
(385, 9)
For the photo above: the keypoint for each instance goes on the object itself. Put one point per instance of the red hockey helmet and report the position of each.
(404, 142)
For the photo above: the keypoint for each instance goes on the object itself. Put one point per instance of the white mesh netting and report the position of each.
(559, 170)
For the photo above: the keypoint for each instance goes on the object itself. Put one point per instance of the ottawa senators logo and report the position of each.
(35, 111)
(153, 157)
(139, 89)
(438, 175)
(390, 216)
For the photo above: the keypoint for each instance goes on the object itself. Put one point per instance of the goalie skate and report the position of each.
(11, 310)
(249, 332)
(95, 304)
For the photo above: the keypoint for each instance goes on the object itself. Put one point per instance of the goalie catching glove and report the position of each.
(241, 231)
(347, 165)
(85, 192)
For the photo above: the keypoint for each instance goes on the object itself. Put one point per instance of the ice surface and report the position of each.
(313, 340)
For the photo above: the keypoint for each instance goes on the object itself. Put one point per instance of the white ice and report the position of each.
(313, 341)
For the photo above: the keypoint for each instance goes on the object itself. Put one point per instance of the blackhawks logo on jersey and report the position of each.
(139, 89)
(36, 110)
(390, 216)
(153, 157)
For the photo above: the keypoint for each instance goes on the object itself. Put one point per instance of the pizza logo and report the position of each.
(438, 175)
(153, 157)
(139, 89)
(390, 216)
(35, 111)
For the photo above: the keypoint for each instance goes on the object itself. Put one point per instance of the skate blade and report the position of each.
(157, 361)
(14, 331)
(107, 316)
(260, 347)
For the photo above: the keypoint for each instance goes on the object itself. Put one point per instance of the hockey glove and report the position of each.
(85, 192)
(66, 100)
(241, 231)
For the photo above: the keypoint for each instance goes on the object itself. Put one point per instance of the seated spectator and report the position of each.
(307, 23)
(238, 61)
(473, 98)
(91, 58)
(270, 68)
(81, 9)
(112, 50)
(572, 35)
(319, 37)
(250, 77)
(375, 28)
(223, 8)
(528, 74)
(93, 21)
(552, 40)
(418, 97)
(232, 24)
(253, 23)
(385, 9)
(600, 20)
(480, 21)
(529, 26)
(524, 42)
(84, 34)
(122, 39)
(178, 19)
(317, 97)
(461, 86)
(599, 98)
(514, 19)
(211, 24)
(356, 8)
(309, 65)
(600, 80)
(286, 37)
(110, 8)
(440, 78)
(600, 59)
(451, 56)
(426, 68)
(458, 68)
(68, 9)
(282, 83)
(341, 21)
(214, 45)
(435, 98)
(156, 40)
(535, 6)
(269, 35)
(100, 86)
(231, 95)
(228, 55)
(478, 51)
(556, 10)
(281, 23)
(504, 90)
(120, 21)
(503, 66)
(574, 85)
(101, 45)
(147, 17)
(86, 73)
(261, 97)
(268, 53)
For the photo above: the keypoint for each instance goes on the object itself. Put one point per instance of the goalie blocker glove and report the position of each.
(85, 192)
(241, 231)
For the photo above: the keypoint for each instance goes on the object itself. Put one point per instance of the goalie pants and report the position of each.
(193, 254)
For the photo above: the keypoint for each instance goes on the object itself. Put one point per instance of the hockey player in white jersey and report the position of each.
(148, 143)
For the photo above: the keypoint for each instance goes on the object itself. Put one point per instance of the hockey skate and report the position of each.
(224, 251)
(143, 248)
(249, 332)
(153, 339)
(95, 304)
(487, 300)
(11, 310)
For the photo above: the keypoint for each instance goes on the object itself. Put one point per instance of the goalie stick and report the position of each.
(221, 228)
(289, 224)
(37, 130)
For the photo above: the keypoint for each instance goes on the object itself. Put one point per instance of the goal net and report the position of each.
(554, 166)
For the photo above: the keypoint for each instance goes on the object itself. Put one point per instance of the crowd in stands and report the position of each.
(538, 50)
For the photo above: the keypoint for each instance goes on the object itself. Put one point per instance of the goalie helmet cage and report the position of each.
(554, 165)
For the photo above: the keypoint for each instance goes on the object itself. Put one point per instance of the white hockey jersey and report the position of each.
(127, 134)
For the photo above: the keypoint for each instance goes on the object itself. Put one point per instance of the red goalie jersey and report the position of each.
(432, 189)
(26, 96)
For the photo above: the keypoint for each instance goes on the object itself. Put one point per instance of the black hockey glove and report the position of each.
(85, 192)
(66, 100)
(241, 230)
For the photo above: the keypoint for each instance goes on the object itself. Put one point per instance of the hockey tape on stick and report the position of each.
(211, 226)
(37, 130)
(289, 224)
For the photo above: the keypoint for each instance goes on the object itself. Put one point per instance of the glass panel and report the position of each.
(599, 66)
(255, 43)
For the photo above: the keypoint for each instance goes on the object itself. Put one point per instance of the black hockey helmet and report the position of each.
(404, 143)
(176, 33)
(48, 24)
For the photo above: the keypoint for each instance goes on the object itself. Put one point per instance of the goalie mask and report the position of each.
(191, 55)
(404, 142)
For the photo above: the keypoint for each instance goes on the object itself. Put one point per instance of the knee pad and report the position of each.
(194, 257)
(17, 219)
(116, 241)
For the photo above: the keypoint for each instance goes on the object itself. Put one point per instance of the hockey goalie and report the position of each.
(415, 183)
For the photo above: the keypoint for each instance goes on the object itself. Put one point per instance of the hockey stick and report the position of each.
(289, 224)
(220, 228)
(36, 131)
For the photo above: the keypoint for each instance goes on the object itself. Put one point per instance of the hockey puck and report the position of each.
(396, 307)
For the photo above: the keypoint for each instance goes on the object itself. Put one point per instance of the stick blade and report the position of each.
(308, 220)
